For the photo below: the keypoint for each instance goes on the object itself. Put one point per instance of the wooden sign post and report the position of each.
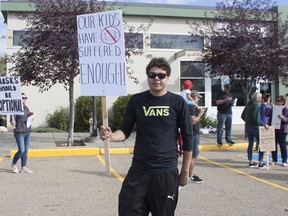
(106, 142)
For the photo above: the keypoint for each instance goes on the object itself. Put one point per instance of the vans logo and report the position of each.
(156, 111)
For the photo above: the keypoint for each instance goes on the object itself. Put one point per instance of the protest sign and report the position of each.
(11, 96)
(266, 138)
(276, 121)
(101, 49)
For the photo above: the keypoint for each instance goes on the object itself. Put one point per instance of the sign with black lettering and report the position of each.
(267, 138)
(11, 96)
(101, 50)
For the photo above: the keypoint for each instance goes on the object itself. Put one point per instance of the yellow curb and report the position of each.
(60, 152)
(101, 151)
(128, 150)
(213, 147)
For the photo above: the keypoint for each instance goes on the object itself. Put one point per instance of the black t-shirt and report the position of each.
(157, 121)
(194, 112)
(225, 108)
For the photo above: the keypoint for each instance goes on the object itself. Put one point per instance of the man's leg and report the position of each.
(220, 118)
(195, 154)
(162, 197)
(228, 127)
(132, 195)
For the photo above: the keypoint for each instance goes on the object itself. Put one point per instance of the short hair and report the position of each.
(160, 63)
(256, 97)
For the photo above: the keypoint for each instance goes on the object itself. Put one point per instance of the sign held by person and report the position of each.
(276, 121)
(11, 96)
(267, 138)
(101, 49)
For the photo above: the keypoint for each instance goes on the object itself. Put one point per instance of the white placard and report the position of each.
(276, 121)
(11, 96)
(266, 139)
(101, 49)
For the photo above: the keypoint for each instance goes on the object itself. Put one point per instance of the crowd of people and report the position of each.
(259, 112)
(155, 151)
(153, 181)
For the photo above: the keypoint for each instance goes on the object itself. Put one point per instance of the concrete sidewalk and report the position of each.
(54, 144)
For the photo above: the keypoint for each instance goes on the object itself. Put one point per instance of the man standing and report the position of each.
(196, 114)
(224, 102)
(152, 182)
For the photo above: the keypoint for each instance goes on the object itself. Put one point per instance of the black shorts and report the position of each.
(142, 193)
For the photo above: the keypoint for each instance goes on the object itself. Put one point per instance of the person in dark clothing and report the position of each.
(251, 117)
(22, 136)
(224, 102)
(153, 181)
(196, 113)
(281, 133)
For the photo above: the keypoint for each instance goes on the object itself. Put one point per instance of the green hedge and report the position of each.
(59, 119)
(84, 110)
(119, 108)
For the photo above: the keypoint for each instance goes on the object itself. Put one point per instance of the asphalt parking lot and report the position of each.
(78, 185)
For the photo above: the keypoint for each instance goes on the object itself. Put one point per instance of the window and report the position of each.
(194, 71)
(18, 36)
(236, 91)
(134, 40)
(166, 41)
(265, 88)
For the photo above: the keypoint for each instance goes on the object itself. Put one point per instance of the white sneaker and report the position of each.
(284, 164)
(26, 170)
(14, 168)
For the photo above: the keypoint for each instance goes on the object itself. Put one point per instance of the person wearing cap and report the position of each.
(224, 102)
(196, 113)
(186, 92)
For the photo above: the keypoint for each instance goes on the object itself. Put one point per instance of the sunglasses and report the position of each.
(24, 97)
(152, 75)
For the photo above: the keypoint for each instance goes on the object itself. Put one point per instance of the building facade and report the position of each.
(166, 37)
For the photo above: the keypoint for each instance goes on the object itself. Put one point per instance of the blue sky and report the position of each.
(177, 2)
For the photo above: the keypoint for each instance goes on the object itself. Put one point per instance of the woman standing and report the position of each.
(280, 134)
(251, 116)
(265, 109)
(22, 136)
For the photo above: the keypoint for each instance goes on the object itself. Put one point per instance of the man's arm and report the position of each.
(222, 101)
(184, 174)
(106, 133)
(197, 118)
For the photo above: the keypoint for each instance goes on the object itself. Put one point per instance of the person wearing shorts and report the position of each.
(196, 113)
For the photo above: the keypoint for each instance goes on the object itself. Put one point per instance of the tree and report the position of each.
(49, 52)
(3, 60)
(246, 42)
